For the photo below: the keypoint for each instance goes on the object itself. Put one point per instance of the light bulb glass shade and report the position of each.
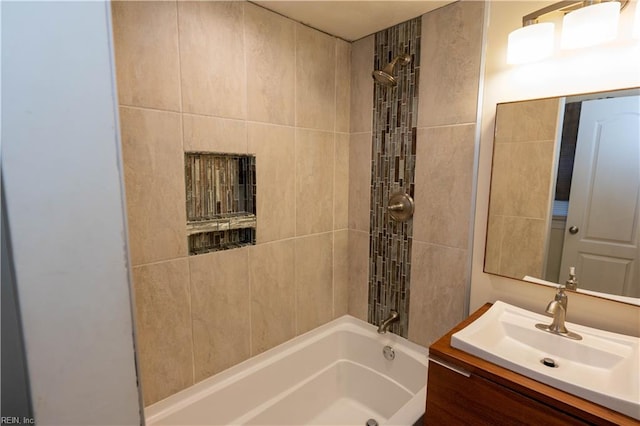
(530, 43)
(590, 25)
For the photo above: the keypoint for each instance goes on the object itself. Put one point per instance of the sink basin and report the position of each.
(603, 367)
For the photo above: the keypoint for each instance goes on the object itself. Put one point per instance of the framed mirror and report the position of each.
(565, 192)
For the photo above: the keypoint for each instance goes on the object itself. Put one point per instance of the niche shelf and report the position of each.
(221, 201)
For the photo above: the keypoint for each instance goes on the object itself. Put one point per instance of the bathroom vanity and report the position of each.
(465, 389)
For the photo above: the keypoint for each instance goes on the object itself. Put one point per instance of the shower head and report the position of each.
(385, 76)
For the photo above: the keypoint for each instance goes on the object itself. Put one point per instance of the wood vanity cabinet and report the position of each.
(463, 389)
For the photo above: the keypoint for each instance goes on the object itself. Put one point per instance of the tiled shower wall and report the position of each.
(231, 77)
(392, 171)
(447, 117)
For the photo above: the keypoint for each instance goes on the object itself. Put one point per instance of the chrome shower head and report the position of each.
(385, 76)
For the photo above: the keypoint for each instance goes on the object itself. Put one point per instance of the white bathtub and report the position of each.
(333, 375)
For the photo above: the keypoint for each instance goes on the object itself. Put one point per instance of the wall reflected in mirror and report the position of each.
(565, 191)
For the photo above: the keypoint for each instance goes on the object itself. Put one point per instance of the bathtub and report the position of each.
(335, 374)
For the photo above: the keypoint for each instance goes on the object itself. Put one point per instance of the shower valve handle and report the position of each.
(400, 207)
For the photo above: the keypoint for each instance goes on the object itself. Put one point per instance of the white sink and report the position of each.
(603, 367)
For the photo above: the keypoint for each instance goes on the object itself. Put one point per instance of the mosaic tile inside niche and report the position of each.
(220, 201)
(393, 167)
(218, 185)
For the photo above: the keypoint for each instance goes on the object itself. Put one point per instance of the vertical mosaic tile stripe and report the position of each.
(395, 112)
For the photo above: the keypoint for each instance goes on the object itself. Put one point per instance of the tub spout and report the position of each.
(384, 325)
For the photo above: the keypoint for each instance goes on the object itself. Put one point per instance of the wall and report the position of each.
(65, 207)
(451, 47)
(447, 116)
(608, 67)
(523, 170)
(231, 77)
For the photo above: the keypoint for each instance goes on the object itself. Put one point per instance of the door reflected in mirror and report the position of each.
(565, 191)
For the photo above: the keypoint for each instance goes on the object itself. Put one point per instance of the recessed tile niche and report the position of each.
(221, 201)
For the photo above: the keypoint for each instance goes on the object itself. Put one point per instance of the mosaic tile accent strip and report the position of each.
(221, 201)
(206, 242)
(395, 113)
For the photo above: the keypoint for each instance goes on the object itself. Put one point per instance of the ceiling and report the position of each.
(348, 19)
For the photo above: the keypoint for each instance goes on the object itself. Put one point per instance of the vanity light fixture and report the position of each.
(530, 43)
(586, 23)
(590, 25)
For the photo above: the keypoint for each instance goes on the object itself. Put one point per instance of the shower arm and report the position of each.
(405, 59)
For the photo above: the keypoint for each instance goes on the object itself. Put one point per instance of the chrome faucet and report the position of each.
(558, 308)
(384, 325)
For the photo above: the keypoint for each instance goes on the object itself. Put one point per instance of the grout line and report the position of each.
(187, 256)
(295, 136)
(240, 120)
(249, 282)
(517, 142)
(295, 175)
(466, 123)
(149, 108)
(246, 147)
(441, 245)
(335, 157)
(179, 58)
(193, 352)
(246, 75)
(511, 216)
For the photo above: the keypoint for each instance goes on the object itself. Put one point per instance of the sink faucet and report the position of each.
(384, 325)
(558, 308)
(559, 312)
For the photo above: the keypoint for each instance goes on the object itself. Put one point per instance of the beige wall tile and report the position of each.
(438, 291)
(443, 184)
(314, 281)
(145, 35)
(360, 181)
(212, 58)
(522, 249)
(341, 182)
(220, 306)
(362, 85)
(521, 179)
(270, 43)
(340, 273)
(526, 121)
(495, 228)
(163, 328)
(211, 134)
(314, 178)
(154, 182)
(271, 276)
(450, 64)
(315, 79)
(343, 85)
(359, 274)
(274, 147)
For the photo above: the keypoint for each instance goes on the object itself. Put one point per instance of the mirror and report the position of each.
(565, 192)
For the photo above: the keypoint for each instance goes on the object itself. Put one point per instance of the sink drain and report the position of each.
(549, 362)
(389, 353)
(372, 422)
